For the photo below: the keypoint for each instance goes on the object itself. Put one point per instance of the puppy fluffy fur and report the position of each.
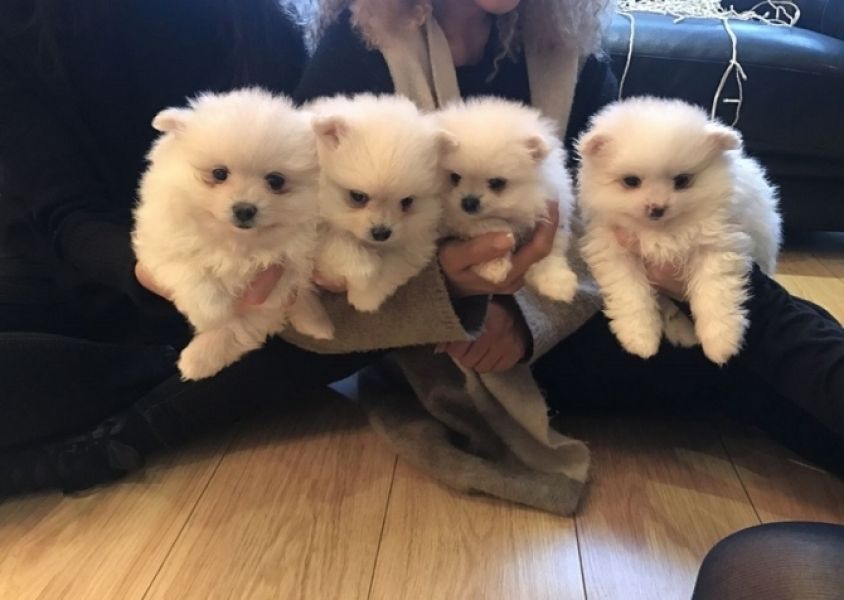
(680, 183)
(506, 162)
(230, 191)
(379, 193)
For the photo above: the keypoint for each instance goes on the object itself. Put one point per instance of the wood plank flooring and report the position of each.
(109, 543)
(439, 545)
(663, 493)
(313, 505)
(294, 511)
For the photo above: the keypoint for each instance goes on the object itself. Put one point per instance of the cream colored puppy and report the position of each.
(379, 193)
(680, 183)
(506, 163)
(230, 190)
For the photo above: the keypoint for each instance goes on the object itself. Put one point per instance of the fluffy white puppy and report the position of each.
(505, 165)
(680, 183)
(379, 193)
(230, 191)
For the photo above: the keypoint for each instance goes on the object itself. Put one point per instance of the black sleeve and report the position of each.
(342, 64)
(596, 87)
(47, 168)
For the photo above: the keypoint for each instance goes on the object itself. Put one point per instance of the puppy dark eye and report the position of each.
(631, 182)
(358, 198)
(682, 181)
(220, 174)
(406, 203)
(497, 184)
(455, 179)
(275, 181)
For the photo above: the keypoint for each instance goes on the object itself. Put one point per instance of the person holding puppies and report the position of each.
(788, 378)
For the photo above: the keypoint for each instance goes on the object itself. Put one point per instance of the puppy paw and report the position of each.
(365, 301)
(319, 329)
(639, 338)
(494, 271)
(308, 317)
(559, 285)
(721, 339)
(196, 362)
(359, 270)
(211, 351)
(679, 330)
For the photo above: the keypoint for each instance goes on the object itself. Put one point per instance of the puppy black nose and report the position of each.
(655, 213)
(244, 213)
(380, 233)
(471, 204)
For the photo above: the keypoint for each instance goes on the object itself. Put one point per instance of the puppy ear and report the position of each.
(447, 142)
(330, 129)
(537, 148)
(171, 119)
(592, 144)
(723, 137)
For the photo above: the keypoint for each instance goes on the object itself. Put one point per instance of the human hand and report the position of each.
(458, 257)
(500, 347)
(261, 288)
(665, 277)
(254, 295)
(145, 279)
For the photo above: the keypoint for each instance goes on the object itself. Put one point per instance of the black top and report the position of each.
(508, 79)
(343, 64)
(74, 131)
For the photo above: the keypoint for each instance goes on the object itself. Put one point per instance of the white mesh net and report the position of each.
(778, 13)
(772, 12)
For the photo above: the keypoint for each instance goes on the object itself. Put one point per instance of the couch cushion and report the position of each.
(794, 95)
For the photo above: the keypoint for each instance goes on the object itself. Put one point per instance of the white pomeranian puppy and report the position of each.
(379, 195)
(680, 183)
(230, 190)
(505, 165)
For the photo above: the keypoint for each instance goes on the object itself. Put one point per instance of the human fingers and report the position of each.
(626, 240)
(460, 255)
(487, 364)
(540, 244)
(506, 362)
(457, 350)
(262, 286)
(477, 352)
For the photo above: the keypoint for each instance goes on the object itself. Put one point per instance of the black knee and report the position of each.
(778, 561)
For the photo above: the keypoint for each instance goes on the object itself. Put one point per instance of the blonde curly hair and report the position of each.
(575, 23)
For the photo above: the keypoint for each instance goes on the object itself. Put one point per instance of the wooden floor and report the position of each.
(313, 505)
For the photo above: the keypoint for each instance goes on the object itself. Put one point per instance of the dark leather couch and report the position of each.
(793, 113)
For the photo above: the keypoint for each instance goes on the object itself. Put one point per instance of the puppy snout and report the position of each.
(243, 214)
(656, 212)
(380, 233)
(471, 204)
